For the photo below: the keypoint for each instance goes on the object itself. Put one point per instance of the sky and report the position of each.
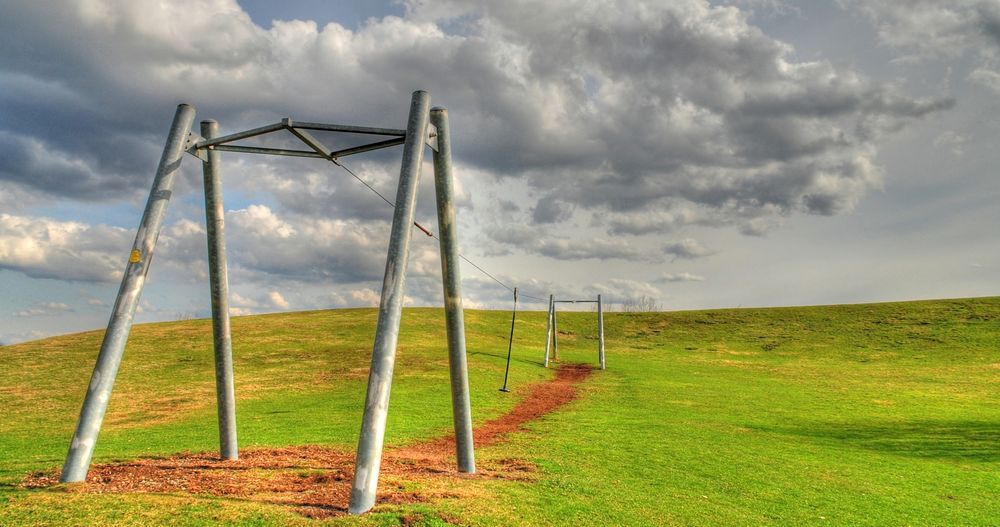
(703, 154)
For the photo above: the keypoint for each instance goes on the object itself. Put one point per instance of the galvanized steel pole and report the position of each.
(219, 278)
(451, 276)
(600, 328)
(369, 455)
(113, 347)
(548, 330)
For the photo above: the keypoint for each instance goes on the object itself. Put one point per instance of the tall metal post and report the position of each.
(219, 279)
(548, 330)
(555, 334)
(95, 404)
(453, 312)
(600, 329)
(369, 457)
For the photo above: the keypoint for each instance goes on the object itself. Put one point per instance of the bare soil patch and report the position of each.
(316, 480)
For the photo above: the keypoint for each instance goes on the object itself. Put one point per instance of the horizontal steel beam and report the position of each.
(345, 128)
(368, 148)
(575, 301)
(272, 151)
(241, 135)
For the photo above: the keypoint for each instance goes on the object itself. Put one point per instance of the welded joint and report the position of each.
(191, 146)
(432, 135)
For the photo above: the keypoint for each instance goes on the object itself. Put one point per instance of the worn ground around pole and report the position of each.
(316, 480)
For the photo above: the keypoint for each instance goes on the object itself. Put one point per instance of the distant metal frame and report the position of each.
(425, 126)
(552, 331)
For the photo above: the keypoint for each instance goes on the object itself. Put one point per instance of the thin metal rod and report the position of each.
(600, 329)
(367, 148)
(348, 128)
(326, 153)
(555, 334)
(370, 443)
(510, 342)
(452, 280)
(270, 151)
(253, 132)
(218, 274)
(548, 330)
(576, 301)
(95, 404)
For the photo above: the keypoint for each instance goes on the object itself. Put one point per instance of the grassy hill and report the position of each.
(883, 414)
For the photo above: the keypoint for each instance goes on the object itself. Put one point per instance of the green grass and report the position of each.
(884, 414)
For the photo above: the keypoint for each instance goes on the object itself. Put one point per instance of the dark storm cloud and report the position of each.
(551, 210)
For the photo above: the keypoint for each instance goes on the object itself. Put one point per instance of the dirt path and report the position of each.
(316, 479)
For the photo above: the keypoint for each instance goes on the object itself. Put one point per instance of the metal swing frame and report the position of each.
(552, 329)
(425, 126)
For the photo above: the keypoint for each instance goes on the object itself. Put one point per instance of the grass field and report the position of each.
(884, 414)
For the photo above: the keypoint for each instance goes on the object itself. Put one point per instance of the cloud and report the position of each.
(687, 249)
(680, 277)
(645, 118)
(277, 300)
(23, 336)
(550, 210)
(986, 77)
(928, 29)
(46, 248)
(46, 308)
(262, 241)
(620, 289)
(533, 240)
(612, 108)
(953, 141)
(935, 29)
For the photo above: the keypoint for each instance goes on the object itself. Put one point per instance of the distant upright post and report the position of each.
(369, 457)
(555, 334)
(218, 275)
(600, 329)
(95, 404)
(548, 330)
(453, 312)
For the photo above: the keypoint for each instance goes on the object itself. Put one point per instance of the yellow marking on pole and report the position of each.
(134, 257)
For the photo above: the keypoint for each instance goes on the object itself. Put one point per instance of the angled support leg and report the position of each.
(219, 279)
(451, 276)
(113, 347)
(369, 456)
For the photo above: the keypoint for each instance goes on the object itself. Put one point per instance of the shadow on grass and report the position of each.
(503, 356)
(977, 441)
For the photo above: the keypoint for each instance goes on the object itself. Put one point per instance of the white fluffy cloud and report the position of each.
(68, 250)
